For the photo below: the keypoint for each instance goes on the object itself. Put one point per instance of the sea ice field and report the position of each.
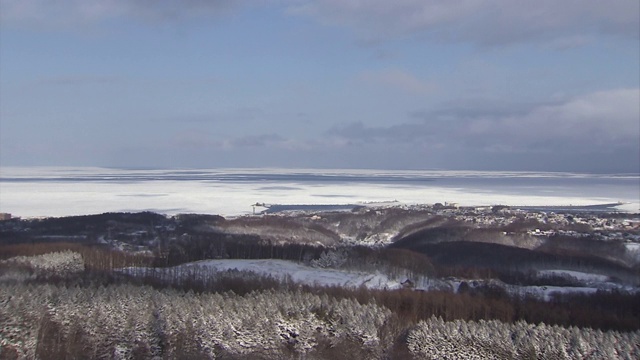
(64, 191)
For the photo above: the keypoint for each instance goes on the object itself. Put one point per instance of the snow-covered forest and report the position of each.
(70, 312)
(127, 321)
(426, 283)
(437, 339)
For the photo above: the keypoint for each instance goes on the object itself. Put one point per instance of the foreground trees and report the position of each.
(66, 305)
(437, 339)
(126, 321)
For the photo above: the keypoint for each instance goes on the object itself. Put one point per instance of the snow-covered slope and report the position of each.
(286, 270)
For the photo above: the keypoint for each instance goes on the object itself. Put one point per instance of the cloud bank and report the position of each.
(488, 23)
(437, 84)
(71, 13)
(604, 121)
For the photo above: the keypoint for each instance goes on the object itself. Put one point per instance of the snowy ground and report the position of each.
(546, 292)
(633, 249)
(301, 274)
(581, 276)
(307, 275)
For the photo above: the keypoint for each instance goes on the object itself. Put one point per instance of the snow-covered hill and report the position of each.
(282, 270)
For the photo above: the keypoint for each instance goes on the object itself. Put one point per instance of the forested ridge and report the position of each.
(55, 307)
(124, 286)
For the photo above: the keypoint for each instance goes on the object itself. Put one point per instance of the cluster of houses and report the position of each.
(550, 223)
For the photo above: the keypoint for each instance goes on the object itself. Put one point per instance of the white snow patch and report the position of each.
(581, 276)
(633, 249)
(299, 273)
(546, 292)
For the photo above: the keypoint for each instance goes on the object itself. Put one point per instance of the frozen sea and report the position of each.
(63, 191)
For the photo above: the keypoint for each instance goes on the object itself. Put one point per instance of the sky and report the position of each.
(531, 85)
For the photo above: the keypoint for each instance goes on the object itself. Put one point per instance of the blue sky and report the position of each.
(406, 84)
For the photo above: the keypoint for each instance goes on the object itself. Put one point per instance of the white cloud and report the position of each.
(486, 22)
(70, 13)
(601, 121)
(598, 119)
(595, 132)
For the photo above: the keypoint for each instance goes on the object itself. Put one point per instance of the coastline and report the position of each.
(37, 192)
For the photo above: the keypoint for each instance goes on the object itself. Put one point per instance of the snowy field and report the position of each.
(301, 274)
(282, 270)
(581, 276)
(47, 191)
(546, 292)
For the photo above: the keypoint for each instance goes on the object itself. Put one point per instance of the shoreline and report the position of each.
(287, 209)
(232, 193)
